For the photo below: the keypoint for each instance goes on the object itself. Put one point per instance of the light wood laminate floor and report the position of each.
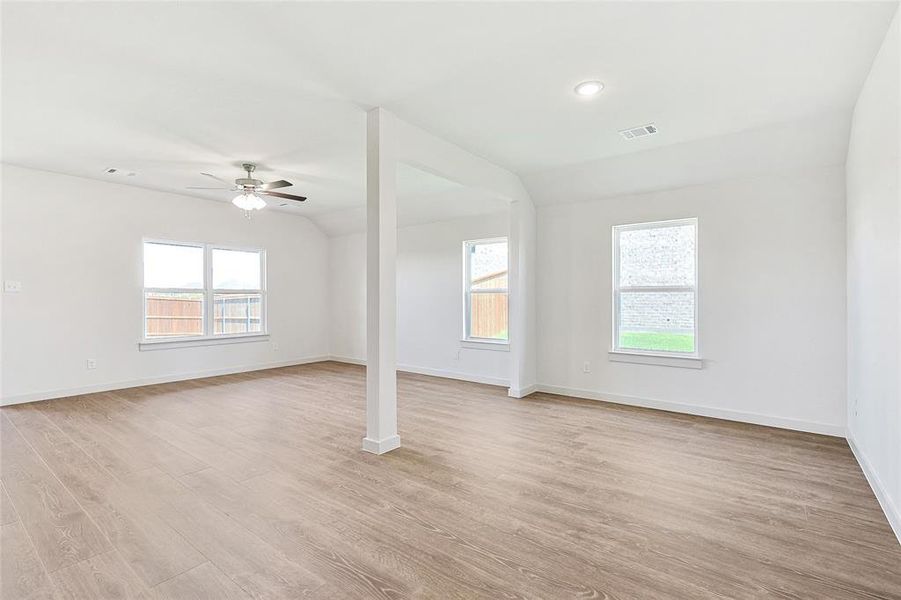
(253, 486)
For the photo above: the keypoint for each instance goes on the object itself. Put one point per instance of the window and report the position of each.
(655, 292)
(485, 290)
(237, 291)
(202, 291)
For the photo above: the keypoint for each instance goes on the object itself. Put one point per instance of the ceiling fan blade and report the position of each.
(211, 176)
(276, 184)
(195, 187)
(288, 196)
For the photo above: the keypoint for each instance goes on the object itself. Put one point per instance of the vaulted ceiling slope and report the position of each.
(802, 144)
(169, 90)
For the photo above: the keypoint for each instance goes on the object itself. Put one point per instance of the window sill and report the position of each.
(163, 344)
(497, 346)
(650, 358)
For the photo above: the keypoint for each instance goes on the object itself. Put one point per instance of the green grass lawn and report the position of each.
(669, 342)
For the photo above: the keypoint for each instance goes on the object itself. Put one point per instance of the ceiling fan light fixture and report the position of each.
(249, 201)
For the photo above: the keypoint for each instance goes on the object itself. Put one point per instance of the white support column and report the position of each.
(381, 292)
(522, 325)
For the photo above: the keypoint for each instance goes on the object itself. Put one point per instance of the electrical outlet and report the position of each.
(586, 367)
(275, 346)
(91, 363)
(12, 287)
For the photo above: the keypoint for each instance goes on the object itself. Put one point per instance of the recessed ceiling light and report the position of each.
(589, 88)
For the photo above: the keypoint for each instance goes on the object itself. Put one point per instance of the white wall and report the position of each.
(429, 299)
(772, 300)
(347, 296)
(874, 277)
(75, 244)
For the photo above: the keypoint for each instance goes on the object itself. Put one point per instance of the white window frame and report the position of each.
(469, 340)
(208, 337)
(617, 353)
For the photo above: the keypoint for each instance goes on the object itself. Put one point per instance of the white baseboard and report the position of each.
(454, 375)
(691, 409)
(522, 392)
(348, 360)
(703, 411)
(678, 407)
(381, 446)
(433, 372)
(119, 385)
(892, 513)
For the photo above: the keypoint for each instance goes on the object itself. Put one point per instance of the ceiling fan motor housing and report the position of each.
(248, 182)
(250, 186)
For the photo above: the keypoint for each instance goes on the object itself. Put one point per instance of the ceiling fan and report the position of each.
(251, 189)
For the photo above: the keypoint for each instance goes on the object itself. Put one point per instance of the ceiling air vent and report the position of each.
(637, 132)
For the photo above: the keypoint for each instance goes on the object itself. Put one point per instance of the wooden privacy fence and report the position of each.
(170, 316)
(488, 315)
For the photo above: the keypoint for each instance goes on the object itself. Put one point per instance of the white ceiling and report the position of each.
(169, 90)
(801, 144)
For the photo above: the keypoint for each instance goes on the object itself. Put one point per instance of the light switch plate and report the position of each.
(12, 287)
